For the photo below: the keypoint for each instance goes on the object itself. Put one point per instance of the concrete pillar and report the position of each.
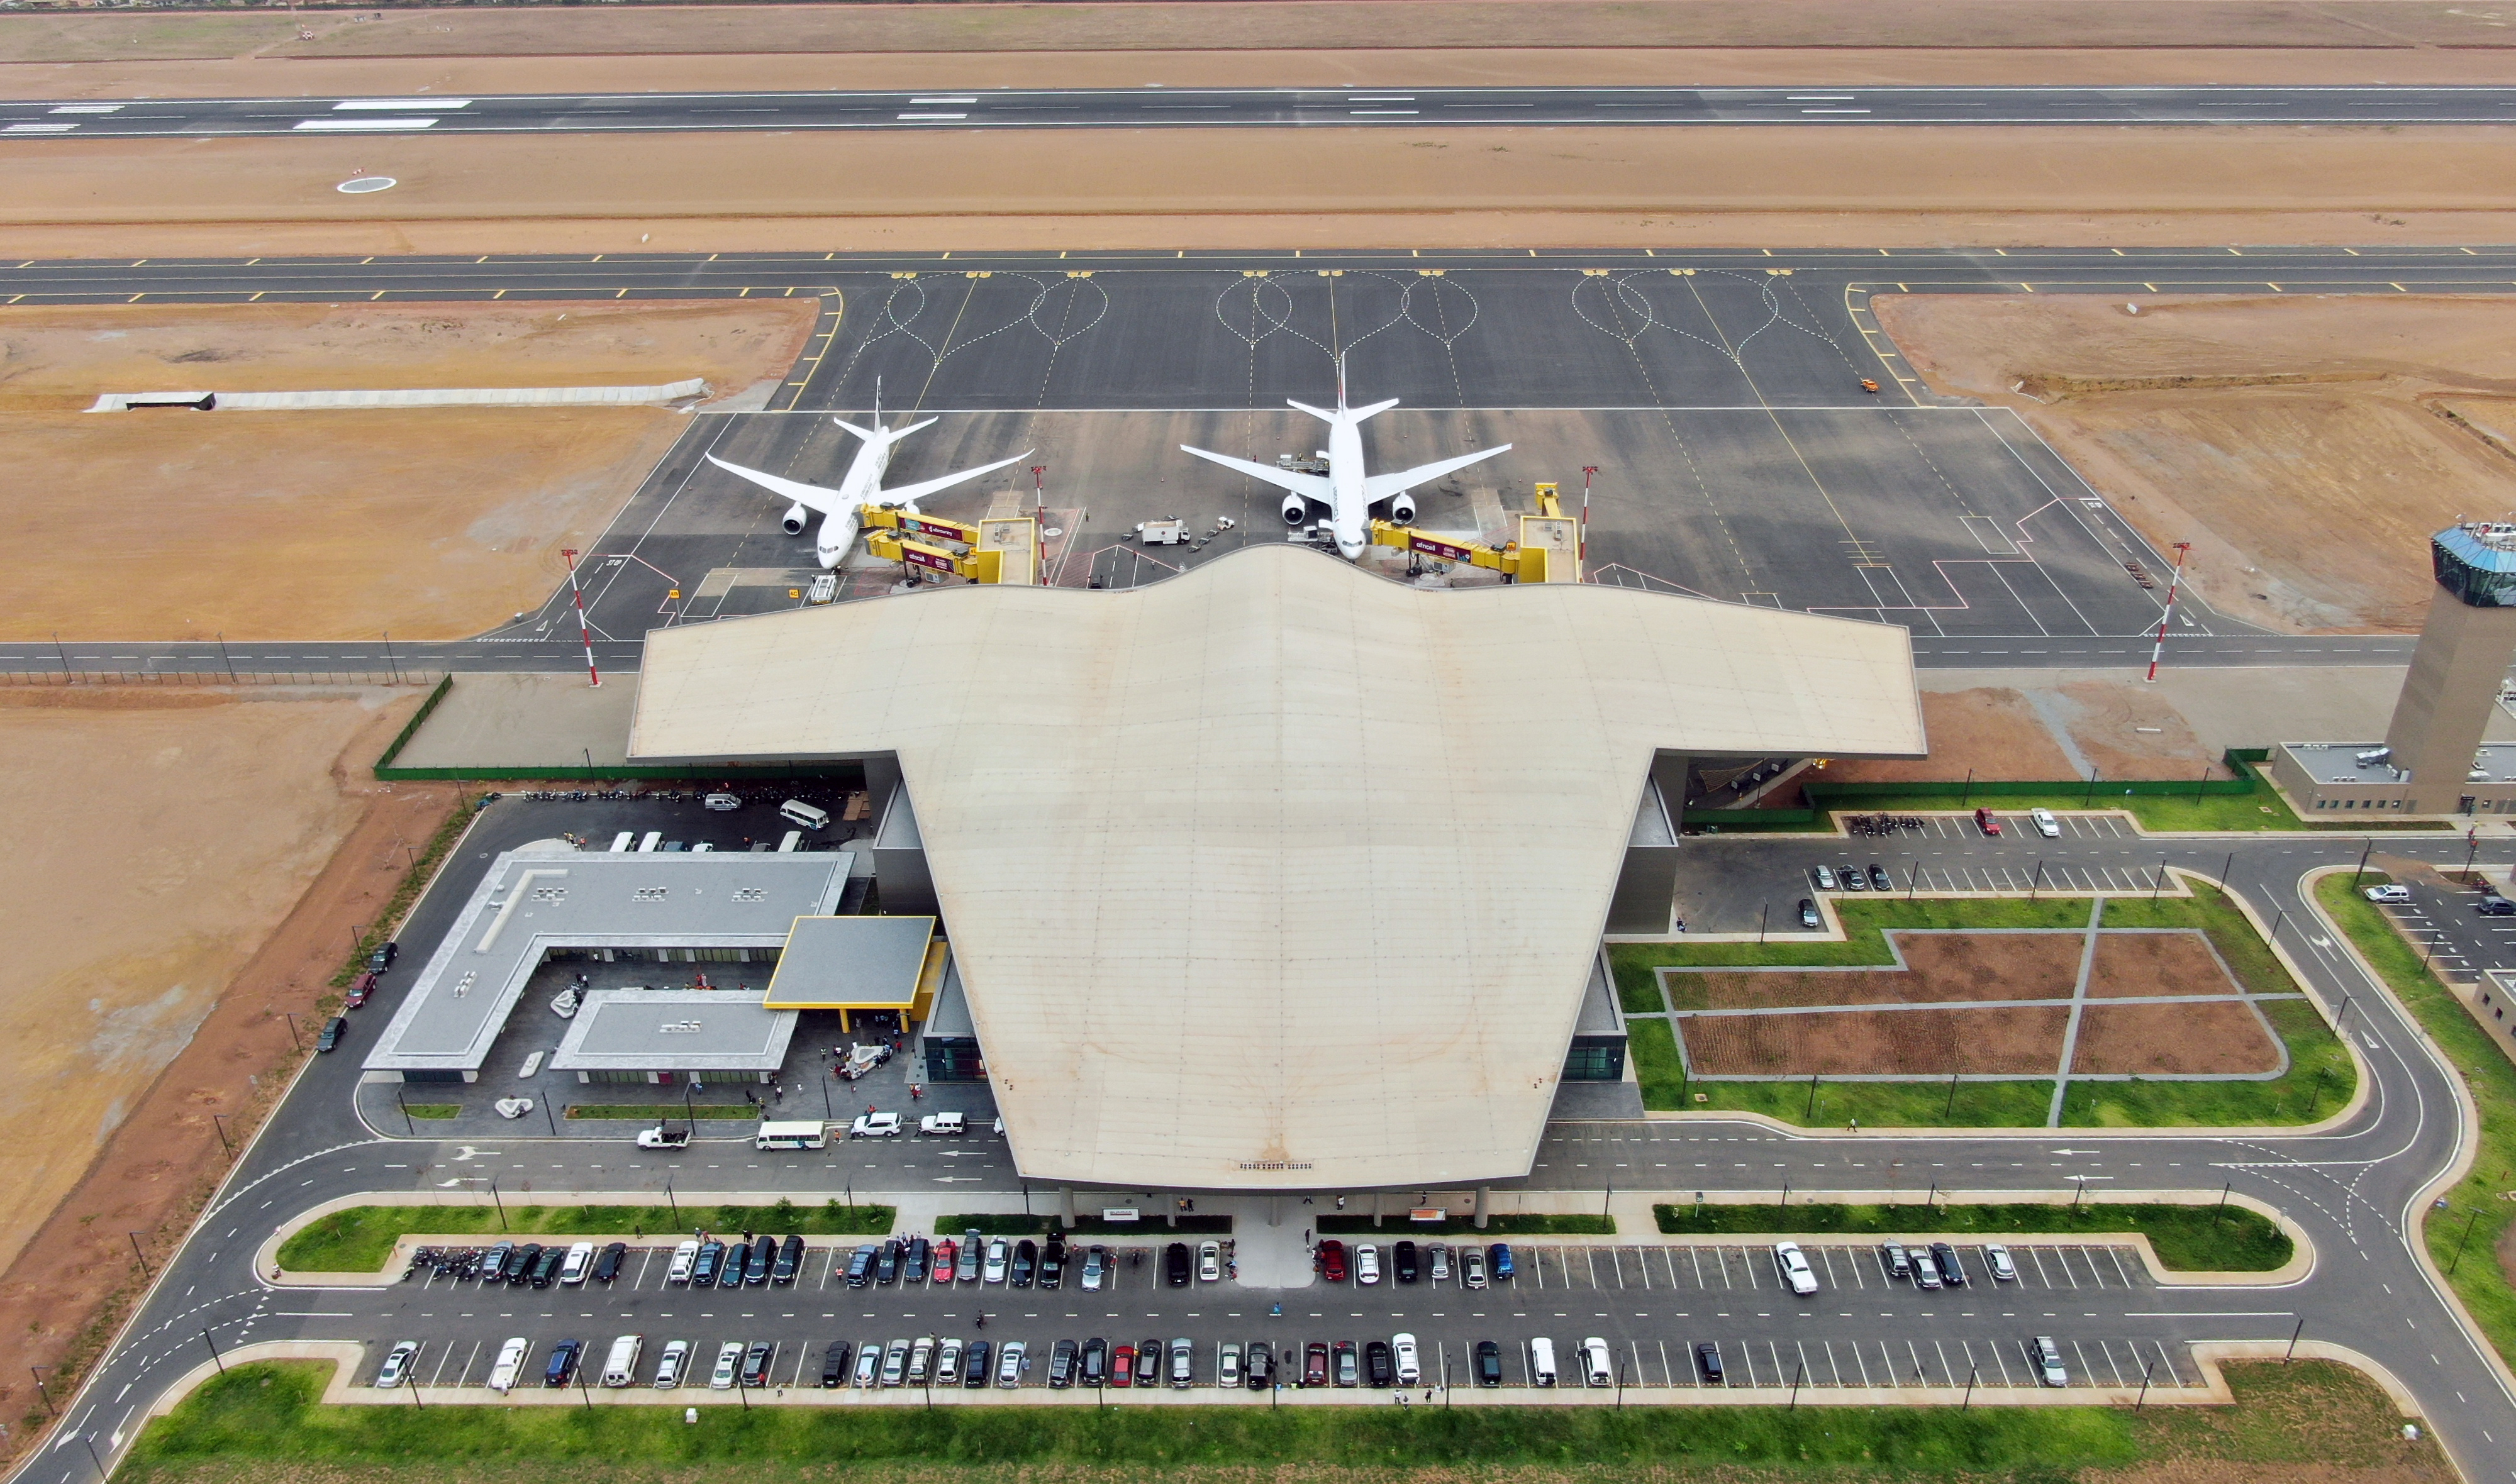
(1485, 1195)
(1375, 1208)
(1170, 1209)
(1275, 1211)
(1065, 1207)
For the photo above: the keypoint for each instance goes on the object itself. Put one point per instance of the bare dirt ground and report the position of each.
(1913, 1043)
(2305, 445)
(2131, 965)
(2223, 1039)
(433, 523)
(2055, 730)
(1951, 966)
(1173, 190)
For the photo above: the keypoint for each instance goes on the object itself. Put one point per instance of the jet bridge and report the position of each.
(1000, 550)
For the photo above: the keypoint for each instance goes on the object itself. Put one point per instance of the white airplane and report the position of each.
(1345, 489)
(861, 486)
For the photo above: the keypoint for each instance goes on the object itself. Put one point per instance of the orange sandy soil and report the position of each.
(1955, 965)
(1394, 189)
(1998, 733)
(2222, 1039)
(435, 522)
(1919, 1042)
(2305, 445)
(2131, 965)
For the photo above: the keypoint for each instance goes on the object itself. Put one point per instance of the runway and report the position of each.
(1716, 391)
(1156, 108)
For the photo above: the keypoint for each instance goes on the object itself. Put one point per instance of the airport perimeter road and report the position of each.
(1253, 108)
(2355, 1190)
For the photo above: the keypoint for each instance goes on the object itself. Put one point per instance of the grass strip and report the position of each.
(998, 1224)
(2464, 1236)
(2188, 1238)
(266, 1417)
(648, 1113)
(433, 1109)
(1529, 1223)
(359, 1238)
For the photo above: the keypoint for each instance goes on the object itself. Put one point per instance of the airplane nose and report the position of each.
(1352, 550)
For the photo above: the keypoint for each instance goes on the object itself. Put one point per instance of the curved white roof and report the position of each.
(1277, 873)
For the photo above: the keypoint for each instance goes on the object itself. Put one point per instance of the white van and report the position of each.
(653, 838)
(790, 1135)
(511, 1360)
(1596, 1367)
(793, 839)
(623, 840)
(1541, 1362)
(685, 1257)
(621, 1368)
(796, 811)
(579, 1261)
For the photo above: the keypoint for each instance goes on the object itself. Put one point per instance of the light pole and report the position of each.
(89, 1438)
(2360, 869)
(1971, 1372)
(584, 633)
(214, 1353)
(219, 1124)
(2145, 1373)
(41, 1390)
(2459, 1241)
(1581, 541)
(1796, 1378)
(2158, 649)
(1039, 491)
(2292, 1342)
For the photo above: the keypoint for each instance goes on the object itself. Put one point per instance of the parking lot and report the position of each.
(1860, 1328)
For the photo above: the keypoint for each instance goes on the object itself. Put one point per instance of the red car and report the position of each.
(1332, 1261)
(1984, 821)
(360, 988)
(1122, 1367)
(1315, 1363)
(946, 1254)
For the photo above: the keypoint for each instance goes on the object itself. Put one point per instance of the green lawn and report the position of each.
(659, 1112)
(433, 1109)
(2188, 1238)
(2476, 1203)
(2320, 1077)
(359, 1239)
(1523, 1225)
(267, 1420)
(1153, 1228)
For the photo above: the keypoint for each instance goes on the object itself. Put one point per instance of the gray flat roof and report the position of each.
(533, 901)
(675, 1030)
(856, 963)
(2338, 763)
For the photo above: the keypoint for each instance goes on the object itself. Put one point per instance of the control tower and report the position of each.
(2466, 645)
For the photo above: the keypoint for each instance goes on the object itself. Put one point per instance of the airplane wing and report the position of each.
(812, 497)
(1308, 486)
(1379, 488)
(910, 494)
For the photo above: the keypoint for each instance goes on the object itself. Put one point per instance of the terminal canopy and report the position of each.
(1277, 873)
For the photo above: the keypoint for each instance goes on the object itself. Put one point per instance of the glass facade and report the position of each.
(954, 1059)
(1595, 1058)
(2477, 563)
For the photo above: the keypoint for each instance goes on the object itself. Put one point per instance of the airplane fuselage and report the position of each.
(862, 483)
(1349, 512)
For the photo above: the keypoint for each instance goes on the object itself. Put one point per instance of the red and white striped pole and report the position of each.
(584, 633)
(1581, 549)
(1039, 491)
(2158, 649)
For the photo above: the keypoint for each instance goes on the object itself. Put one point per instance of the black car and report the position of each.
(763, 1253)
(860, 1265)
(522, 1261)
(1878, 881)
(493, 1268)
(1489, 1363)
(705, 1267)
(1258, 1367)
(1061, 1364)
(886, 1266)
(1096, 1362)
(339, 1026)
(606, 1265)
(755, 1363)
(1401, 1258)
(737, 1257)
(973, 1365)
(2490, 905)
(1026, 1262)
(913, 1269)
(1951, 1271)
(546, 1267)
(1807, 914)
(1707, 1361)
(835, 1365)
(1052, 1263)
(382, 958)
(1376, 1369)
(564, 1357)
(1175, 1264)
(790, 1260)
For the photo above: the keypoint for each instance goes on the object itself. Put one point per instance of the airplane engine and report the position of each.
(796, 515)
(1402, 508)
(1296, 509)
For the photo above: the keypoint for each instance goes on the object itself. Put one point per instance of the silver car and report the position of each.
(965, 1268)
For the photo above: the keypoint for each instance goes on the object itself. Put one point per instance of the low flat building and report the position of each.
(675, 1035)
(853, 964)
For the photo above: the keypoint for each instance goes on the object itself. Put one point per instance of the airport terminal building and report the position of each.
(1275, 875)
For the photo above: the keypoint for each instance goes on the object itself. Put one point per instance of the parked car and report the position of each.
(874, 1126)
(1707, 1362)
(1096, 1268)
(1123, 1365)
(2045, 824)
(1499, 1256)
(1376, 1369)
(333, 1030)
(1366, 1263)
(1792, 1264)
(1853, 880)
(1095, 1362)
(1878, 878)
(999, 1253)
(1984, 821)
(1823, 876)
(835, 1365)
(728, 1366)
(2392, 893)
(562, 1366)
(510, 1362)
(722, 803)
(576, 1264)
(1403, 1355)
(1009, 1365)
(2047, 1359)
(764, 1255)
(895, 1363)
(861, 1264)
(756, 1361)
(948, 1362)
(383, 957)
(1437, 1261)
(886, 1262)
(606, 1263)
(789, 1261)
(1402, 1262)
(360, 988)
(1259, 1365)
(973, 1365)
(670, 1365)
(1183, 1364)
(1348, 1372)
(1026, 1262)
(1598, 1366)
(1809, 918)
(1052, 1263)
(397, 1367)
(941, 1125)
(1061, 1364)
(1489, 1363)
(1315, 1363)
(966, 1263)
(1331, 1261)
(1951, 1271)
(1893, 1262)
(1472, 1267)
(1997, 1257)
(1209, 1261)
(1926, 1270)
(921, 1360)
(1175, 1264)
(546, 1267)
(868, 1364)
(912, 1266)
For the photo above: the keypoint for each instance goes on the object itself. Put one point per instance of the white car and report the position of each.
(685, 1257)
(728, 1365)
(940, 1124)
(1209, 1261)
(397, 1367)
(661, 1138)
(999, 1253)
(1438, 1260)
(1597, 1368)
(1366, 1263)
(2047, 1357)
(1403, 1355)
(1793, 1266)
(723, 804)
(1009, 1366)
(2045, 824)
(875, 1126)
(668, 1368)
(1997, 1257)
(578, 1262)
(511, 1359)
(1096, 1268)
(2391, 895)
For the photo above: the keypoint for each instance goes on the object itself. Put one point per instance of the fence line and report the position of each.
(212, 679)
